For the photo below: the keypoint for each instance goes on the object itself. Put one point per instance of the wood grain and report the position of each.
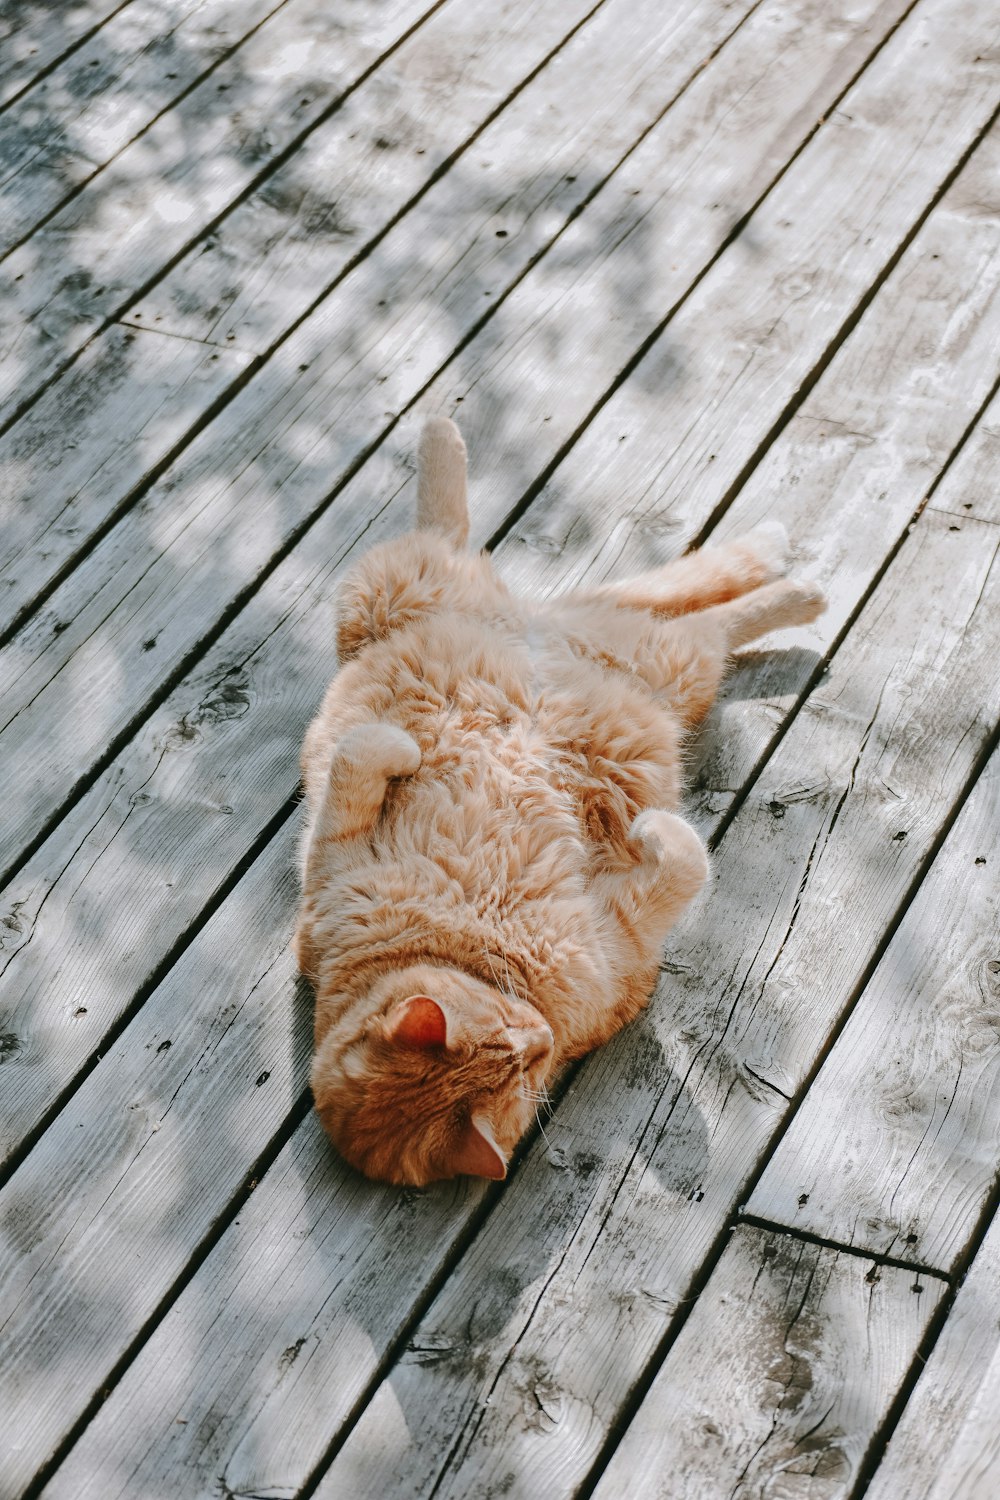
(228, 511)
(109, 1207)
(602, 1232)
(446, 256)
(778, 1380)
(62, 284)
(945, 1446)
(118, 413)
(274, 255)
(35, 34)
(895, 1148)
(107, 92)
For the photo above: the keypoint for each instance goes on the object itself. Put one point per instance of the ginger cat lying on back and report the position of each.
(493, 854)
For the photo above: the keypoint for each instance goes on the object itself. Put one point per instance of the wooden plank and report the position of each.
(279, 1306)
(228, 510)
(35, 34)
(602, 1232)
(594, 1230)
(779, 1379)
(414, 293)
(179, 1108)
(515, 187)
(88, 109)
(970, 490)
(655, 440)
(141, 392)
(894, 1148)
(945, 1445)
(248, 703)
(162, 190)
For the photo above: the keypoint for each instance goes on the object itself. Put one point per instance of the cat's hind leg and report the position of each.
(442, 488)
(774, 607)
(710, 576)
(684, 662)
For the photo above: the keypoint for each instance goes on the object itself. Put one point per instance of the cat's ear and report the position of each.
(478, 1154)
(418, 1023)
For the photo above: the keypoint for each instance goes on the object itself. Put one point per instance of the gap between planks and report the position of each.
(773, 1226)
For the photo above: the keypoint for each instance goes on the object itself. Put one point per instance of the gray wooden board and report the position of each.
(946, 1444)
(87, 921)
(208, 527)
(191, 165)
(110, 1205)
(971, 488)
(88, 109)
(342, 1276)
(266, 264)
(567, 1291)
(894, 1149)
(121, 409)
(34, 34)
(428, 283)
(593, 1230)
(651, 442)
(778, 1381)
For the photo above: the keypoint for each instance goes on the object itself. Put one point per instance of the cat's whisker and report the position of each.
(538, 1122)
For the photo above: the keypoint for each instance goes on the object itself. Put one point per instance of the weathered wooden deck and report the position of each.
(677, 269)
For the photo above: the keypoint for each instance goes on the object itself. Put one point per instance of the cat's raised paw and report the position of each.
(382, 749)
(665, 839)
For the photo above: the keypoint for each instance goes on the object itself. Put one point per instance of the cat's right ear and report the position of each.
(417, 1023)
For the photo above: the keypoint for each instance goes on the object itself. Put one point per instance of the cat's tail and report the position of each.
(442, 499)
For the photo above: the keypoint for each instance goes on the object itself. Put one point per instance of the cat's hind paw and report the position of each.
(772, 549)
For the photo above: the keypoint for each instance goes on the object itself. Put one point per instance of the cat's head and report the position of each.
(439, 1078)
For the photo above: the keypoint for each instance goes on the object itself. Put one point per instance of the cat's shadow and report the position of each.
(769, 673)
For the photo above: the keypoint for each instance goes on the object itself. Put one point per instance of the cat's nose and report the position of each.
(535, 1042)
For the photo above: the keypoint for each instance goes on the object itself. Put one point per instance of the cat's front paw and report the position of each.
(381, 749)
(667, 840)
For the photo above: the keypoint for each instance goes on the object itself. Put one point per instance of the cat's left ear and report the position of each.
(478, 1154)
(418, 1023)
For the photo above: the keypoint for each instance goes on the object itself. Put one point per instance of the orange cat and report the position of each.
(493, 855)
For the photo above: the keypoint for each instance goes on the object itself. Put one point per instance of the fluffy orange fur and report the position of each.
(493, 854)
